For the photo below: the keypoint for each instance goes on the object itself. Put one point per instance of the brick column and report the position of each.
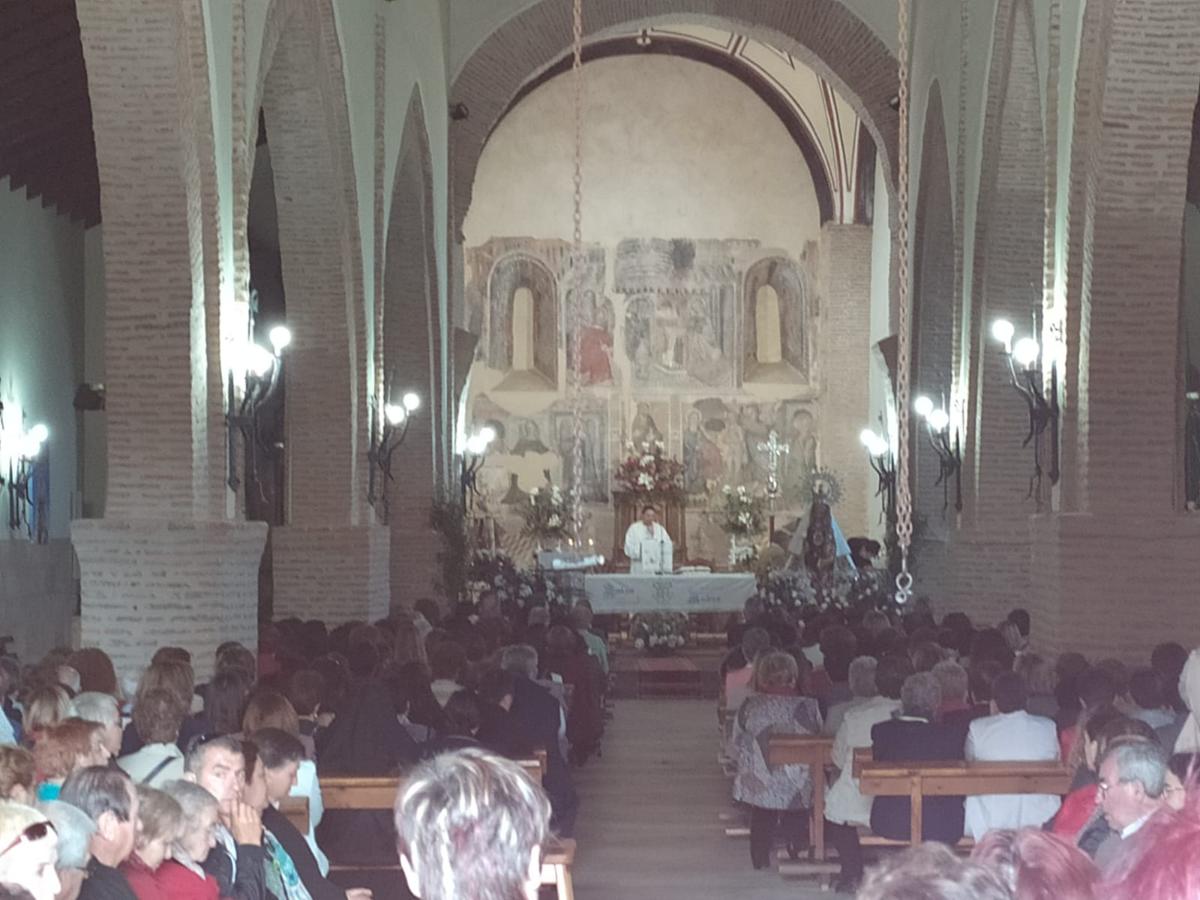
(162, 567)
(333, 574)
(845, 355)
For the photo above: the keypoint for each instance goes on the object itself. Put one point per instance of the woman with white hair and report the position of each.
(75, 829)
(28, 850)
(182, 877)
(471, 824)
(777, 795)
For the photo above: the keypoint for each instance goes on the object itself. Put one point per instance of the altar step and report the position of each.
(688, 673)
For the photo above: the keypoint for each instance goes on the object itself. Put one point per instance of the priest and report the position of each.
(648, 545)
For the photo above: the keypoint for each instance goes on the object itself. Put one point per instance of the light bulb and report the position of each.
(281, 337)
(488, 433)
(259, 360)
(923, 406)
(868, 438)
(411, 401)
(475, 445)
(1002, 330)
(939, 420)
(393, 413)
(1026, 352)
(38, 433)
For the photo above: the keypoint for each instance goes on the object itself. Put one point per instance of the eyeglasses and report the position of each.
(34, 832)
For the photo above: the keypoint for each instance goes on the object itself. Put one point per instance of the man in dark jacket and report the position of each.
(107, 795)
(237, 861)
(534, 721)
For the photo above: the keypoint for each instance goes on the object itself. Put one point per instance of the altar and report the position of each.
(701, 592)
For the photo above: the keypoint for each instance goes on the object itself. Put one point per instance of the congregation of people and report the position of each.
(917, 690)
(151, 786)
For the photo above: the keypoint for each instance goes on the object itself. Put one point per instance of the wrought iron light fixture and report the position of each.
(1040, 392)
(879, 451)
(473, 456)
(25, 458)
(948, 449)
(261, 382)
(397, 417)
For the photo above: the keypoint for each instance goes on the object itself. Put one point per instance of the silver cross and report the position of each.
(774, 449)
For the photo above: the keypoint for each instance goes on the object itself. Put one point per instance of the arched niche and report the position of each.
(777, 322)
(410, 342)
(523, 312)
(934, 305)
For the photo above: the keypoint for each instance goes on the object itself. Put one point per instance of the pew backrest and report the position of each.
(958, 779)
(816, 752)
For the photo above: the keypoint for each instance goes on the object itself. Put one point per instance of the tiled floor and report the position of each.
(648, 824)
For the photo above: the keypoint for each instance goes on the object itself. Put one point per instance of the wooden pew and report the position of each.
(816, 752)
(379, 794)
(957, 779)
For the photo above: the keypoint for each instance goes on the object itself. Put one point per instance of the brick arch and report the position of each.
(824, 34)
(935, 304)
(301, 91)
(411, 353)
(1008, 272)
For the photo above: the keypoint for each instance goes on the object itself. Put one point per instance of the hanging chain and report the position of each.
(577, 265)
(904, 527)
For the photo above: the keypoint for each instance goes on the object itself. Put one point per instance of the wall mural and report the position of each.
(704, 345)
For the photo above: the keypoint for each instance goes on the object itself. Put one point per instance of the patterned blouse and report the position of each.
(787, 787)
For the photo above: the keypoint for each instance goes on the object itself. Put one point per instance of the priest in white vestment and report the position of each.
(648, 545)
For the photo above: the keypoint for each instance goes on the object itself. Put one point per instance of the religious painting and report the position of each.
(776, 316)
(649, 423)
(679, 312)
(594, 452)
(703, 461)
(595, 337)
(523, 323)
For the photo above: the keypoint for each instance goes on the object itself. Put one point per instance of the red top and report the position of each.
(142, 879)
(1077, 808)
(177, 882)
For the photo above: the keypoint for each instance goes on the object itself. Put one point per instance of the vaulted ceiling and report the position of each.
(46, 142)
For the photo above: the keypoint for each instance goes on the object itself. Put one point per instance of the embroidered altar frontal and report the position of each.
(696, 593)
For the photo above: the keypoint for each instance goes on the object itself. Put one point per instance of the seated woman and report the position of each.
(44, 706)
(776, 794)
(181, 877)
(64, 748)
(913, 736)
(271, 709)
(160, 820)
(567, 657)
(27, 863)
(1036, 864)
(272, 759)
(365, 738)
(17, 774)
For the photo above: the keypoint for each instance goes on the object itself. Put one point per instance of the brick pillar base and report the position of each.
(332, 574)
(1115, 585)
(147, 583)
(984, 572)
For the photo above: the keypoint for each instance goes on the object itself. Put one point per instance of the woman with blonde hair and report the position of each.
(31, 851)
(160, 821)
(777, 795)
(45, 706)
(64, 748)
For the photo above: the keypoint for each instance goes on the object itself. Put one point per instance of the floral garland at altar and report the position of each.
(493, 571)
(546, 516)
(847, 588)
(659, 632)
(647, 469)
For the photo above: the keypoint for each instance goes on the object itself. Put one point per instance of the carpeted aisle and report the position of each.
(648, 823)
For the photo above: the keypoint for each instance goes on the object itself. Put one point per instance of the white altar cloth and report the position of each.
(690, 593)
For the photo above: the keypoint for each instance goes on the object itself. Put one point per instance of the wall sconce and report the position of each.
(262, 379)
(27, 456)
(1041, 396)
(396, 419)
(472, 461)
(879, 451)
(949, 452)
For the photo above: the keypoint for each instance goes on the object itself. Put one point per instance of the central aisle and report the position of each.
(648, 824)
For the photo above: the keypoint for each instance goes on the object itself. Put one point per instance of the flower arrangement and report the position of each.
(494, 571)
(789, 589)
(659, 632)
(546, 514)
(741, 514)
(648, 470)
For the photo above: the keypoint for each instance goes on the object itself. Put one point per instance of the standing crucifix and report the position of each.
(774, 449)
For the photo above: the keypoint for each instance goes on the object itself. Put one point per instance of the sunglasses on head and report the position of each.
(34, 832)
